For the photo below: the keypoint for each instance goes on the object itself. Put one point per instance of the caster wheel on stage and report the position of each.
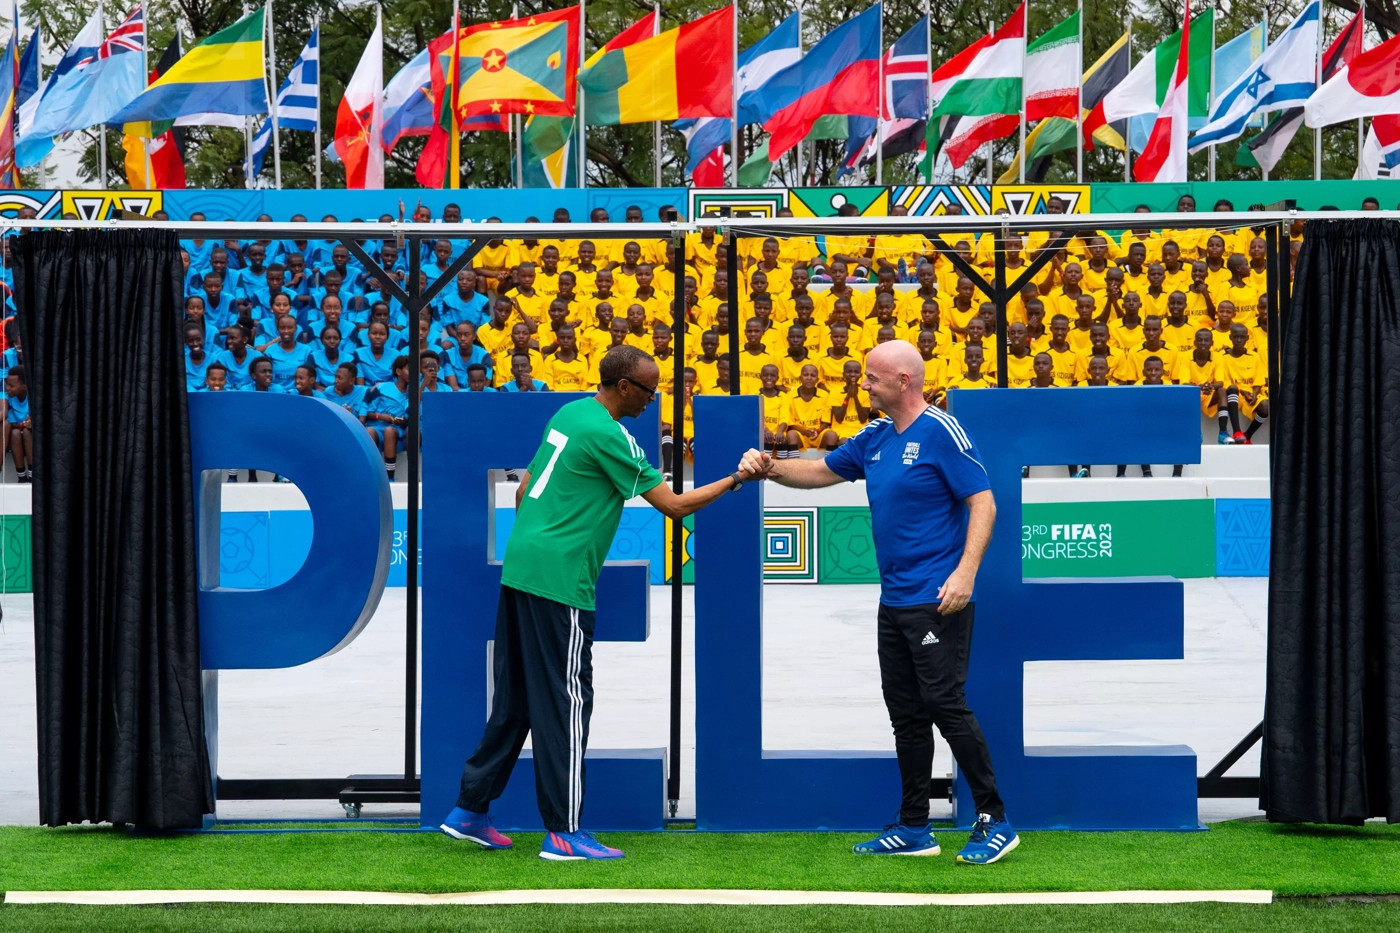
(352, 810)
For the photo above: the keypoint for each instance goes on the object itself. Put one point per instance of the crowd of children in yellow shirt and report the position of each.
(1145, 306)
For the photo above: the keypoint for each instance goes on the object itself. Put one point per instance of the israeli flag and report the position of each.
(296, 101)
(1284, 76)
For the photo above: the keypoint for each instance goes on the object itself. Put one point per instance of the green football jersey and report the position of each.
(587, 467)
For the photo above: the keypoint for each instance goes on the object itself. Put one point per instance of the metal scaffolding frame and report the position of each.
(357, 789)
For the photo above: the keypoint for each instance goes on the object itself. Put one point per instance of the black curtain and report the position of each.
(115, 618)
(1332, 714)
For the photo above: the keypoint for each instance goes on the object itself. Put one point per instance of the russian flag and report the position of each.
(838, 76)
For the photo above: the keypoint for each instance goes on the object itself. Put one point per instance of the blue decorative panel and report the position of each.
(1242, 528)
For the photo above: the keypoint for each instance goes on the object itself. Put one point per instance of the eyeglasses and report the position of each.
(649, 390)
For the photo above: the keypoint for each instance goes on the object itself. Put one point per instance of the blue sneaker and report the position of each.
(1225, 438)
(898, 839)
(574, 847)
(989, 841)
(474, 827)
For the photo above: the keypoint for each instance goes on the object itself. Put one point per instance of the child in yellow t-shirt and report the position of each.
(808, 416)
(850, 406)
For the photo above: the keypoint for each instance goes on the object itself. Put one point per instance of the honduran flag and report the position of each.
(836, 77)
(1367, 86)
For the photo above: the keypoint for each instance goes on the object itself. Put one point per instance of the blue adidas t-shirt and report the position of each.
(916, 482)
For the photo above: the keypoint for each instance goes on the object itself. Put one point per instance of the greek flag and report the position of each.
(296, 101)
(1284, 76)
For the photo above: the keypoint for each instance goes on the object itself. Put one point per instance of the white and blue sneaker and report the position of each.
(989, 841)
(898, 839)
(474, 827)
(575, 847)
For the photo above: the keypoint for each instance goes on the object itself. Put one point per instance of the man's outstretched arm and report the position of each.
(795, 472)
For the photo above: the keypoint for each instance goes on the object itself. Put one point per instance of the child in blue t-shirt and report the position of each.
(237, 356)
(304, 382)
(197, 359)
(285, 352)
(344, 392)
(215, 378)
(374, 361)
(17, 425)
(388, 414)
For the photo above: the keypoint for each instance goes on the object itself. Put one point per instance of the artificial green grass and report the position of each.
(1178, 918)
(1287, 859)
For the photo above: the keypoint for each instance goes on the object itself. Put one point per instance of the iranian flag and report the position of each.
(1366, 86)
(1164, 158)
(1053, 66)
(983, 81)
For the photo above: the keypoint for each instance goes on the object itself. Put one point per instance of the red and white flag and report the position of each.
(1367, 86)
(1164, 159)
(359, 123)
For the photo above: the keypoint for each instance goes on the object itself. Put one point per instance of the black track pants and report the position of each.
(543, 686)
(923, 666)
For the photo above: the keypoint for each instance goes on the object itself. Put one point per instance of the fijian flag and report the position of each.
(1268, 147)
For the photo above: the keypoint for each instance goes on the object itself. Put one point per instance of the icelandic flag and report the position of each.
(1284, 76)
(835, 77)
(296, 101)
(907, 75)
(759, 62)
(99, 85)
(31, 149)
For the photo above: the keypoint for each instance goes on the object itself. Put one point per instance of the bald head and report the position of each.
(894, 377)
(896, 358)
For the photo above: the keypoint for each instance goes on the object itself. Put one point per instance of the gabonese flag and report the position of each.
(1164, 159)
(982, 81)
(1367, 86)
(1052, 72)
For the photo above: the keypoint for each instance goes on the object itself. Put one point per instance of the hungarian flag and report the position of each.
(1053, 64)
(359, 123)
(1366, 86)
(1164, 159)
(1145, 88)
(987, 86)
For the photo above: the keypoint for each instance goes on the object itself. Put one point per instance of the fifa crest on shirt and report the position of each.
(911, 452)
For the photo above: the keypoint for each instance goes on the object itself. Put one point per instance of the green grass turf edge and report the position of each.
(1312, 916)
(1289, 859)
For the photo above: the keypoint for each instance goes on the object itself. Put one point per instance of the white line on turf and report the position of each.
(639, 896)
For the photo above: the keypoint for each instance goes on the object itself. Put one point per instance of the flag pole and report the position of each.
(1214, 17)
(880, 101)
(1128, 139)
(991, 172)
(656, 124)
(798, 147)
(316, 28)
(734, 100)
(454, 145)
(272, 99)
(145, 76)
(928, 85)
(1264, 119)
(1317, 131)
(517, 125)
(1025, 35)
(1360, 121)
(102, 127)
(582, 116)
(1079, 104)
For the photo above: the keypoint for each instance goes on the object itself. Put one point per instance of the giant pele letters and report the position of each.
(739, 785)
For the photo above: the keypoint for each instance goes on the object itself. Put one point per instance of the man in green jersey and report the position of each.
(568, 507)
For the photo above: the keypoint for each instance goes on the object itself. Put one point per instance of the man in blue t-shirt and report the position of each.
(931, 513)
